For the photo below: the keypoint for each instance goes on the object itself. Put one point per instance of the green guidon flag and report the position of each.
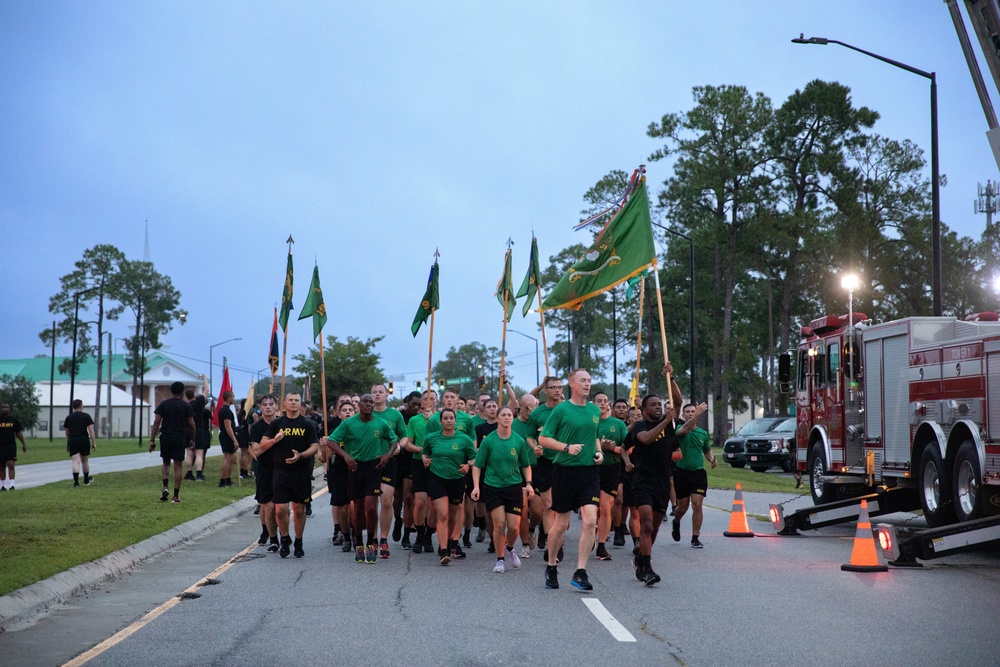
(286, 295)
(532, 280)
(622, 250)
(314, 305)
(429, 302)
(505, 287)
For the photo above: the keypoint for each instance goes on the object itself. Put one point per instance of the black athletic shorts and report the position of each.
(366, 480)
(243, 438)
(468, 482)
(403, 461)
(228, 447)
(418, 475)
(388, 472)
(79, 444)
(511, 498)
(173, 446)
(611, 477)
(574, 487)
(438, 487)
(8, 453)
(541, 475)
(651, 491)
(202, 438)
(338, 483)
(292, 485)
(265, 484)
(687, 482)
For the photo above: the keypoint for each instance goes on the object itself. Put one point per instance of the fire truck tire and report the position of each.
(822, 492)
(935, 488)
(968, 489)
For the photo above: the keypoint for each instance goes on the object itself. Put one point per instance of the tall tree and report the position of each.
(153, 300)
(471, 360)
(23, 397)
(93, 280)
(351, 366)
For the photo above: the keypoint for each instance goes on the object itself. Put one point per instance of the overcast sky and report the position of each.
(374, 133)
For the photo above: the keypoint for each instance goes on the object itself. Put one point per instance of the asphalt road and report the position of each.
(761, 601)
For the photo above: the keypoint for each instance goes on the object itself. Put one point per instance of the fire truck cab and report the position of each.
(912, 403)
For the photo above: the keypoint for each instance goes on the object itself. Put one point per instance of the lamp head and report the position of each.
(801, 39)
(849, 282)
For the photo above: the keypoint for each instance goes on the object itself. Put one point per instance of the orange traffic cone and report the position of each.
(863, 556)
(738, 526)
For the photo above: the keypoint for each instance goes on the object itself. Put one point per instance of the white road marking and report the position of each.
(616, 629)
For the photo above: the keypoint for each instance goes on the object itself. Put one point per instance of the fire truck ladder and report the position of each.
(883, 501)
(902, 547)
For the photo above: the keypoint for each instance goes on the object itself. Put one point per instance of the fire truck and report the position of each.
(907, 410)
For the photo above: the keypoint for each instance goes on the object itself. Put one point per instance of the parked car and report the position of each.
(770, 448)
(733, 451)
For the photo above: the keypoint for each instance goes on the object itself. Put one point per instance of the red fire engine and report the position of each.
(916, 410)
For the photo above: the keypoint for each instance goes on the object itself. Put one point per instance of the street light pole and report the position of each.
(76, 323)
(935, 173)
(538, 380)
(211, 368)
(694, 348)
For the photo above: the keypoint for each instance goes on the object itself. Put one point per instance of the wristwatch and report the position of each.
(566, 448)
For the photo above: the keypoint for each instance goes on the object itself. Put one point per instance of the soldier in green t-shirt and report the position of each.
(542, 479)
(612, 432)
(534, 504)
(448, 455)
(571, 432)
(504, 456)
(413, 443)
(395, 420)
(690, 478)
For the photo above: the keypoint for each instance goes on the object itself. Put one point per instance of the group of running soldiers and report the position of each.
(509, 471)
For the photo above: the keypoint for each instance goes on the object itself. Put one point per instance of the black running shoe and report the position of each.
(309, 509)
(602, 553)
(649, 577)
(428, 543)
(418, 546)
(262, 540)
(299, 553)
(347, 546)
(273, 547)
(338, 538)
(165, 495)
(696, 543)
(189, 476)
(445, 557)
(397, 530)
(286, 544)
(640, 573)
(492, 549)
(675, 530)
(551, 577)
(619, 539)
(542, 540)
(466, 543)
(457, 553)
(256, 511)
(481, 537)
(406, 545)
(559, 556)
(581, 581)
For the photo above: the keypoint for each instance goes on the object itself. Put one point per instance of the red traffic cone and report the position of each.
(863, 555)
(738, 526)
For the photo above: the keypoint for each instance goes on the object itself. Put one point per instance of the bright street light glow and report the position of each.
(849, 282)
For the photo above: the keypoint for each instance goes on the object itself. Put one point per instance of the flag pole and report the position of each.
(545, 346)
(638, 343)
(503, 346)
(430, 356)
(663, 335)
(284, 347)
(322, 375)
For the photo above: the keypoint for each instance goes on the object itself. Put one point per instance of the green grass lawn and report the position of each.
(40, 450)
(52, 528)
(725, 477)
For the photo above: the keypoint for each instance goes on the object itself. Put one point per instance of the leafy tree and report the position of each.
(95, 273)
(153, 300)
(351, 366)
(23, 397)
(471, 360)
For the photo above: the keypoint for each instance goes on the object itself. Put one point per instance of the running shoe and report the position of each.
(581, 581)
(526, 551)
(286, 544)
(457, 553)
(559, 556)
(262, 540)
(309, 509)
(406, 545)
(619, 539)
(602, 553)
(189, 476)
(175, 499)
(498, 568)
(359, 555)
(89, 482)
(348, 545)
(383, 550)
(532, 541)
(542, 540)
(445, 558)
(418, 546)
(551, 577)
(299, 553)
(696, 543)
(338, 538)
(397, 530)
(649, 577)
(466, 543)
(492, 549)
(256, 511)
(640, 573)
(222, 483)
(199, 477)
(511, 555)
(370, 554)
(480, 535)
(428, 542)
(165, 495)
(273, 547)
(675, 530)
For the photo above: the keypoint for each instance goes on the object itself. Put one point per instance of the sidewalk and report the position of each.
(37, 474)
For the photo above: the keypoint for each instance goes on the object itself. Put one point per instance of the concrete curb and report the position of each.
(20, 607)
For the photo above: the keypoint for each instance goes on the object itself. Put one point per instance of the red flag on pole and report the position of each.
(226, 386)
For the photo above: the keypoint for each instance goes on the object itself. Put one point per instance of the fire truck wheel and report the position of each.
(968, 492)
(822, 492)
(935, 488)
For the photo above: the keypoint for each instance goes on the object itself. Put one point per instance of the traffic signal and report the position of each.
(441, 384)
(391, 389)
(418, 385)
(482, 382)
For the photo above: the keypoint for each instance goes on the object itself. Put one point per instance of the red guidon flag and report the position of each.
(226, 386)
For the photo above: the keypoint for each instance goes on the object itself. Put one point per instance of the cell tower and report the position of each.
(986, 201)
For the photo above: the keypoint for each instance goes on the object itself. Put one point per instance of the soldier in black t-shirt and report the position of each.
(195, 462)
(80, 441)
(10, 429)
(175, 422)
(227, 437)
(653, 442)
(265, 471)
(294, 441)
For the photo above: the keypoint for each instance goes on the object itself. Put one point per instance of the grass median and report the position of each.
(725, 477)
(51, 528)
(40, 450)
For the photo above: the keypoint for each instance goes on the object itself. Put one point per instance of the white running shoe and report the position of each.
(498, 568)
(526, 552)
(512, 556)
